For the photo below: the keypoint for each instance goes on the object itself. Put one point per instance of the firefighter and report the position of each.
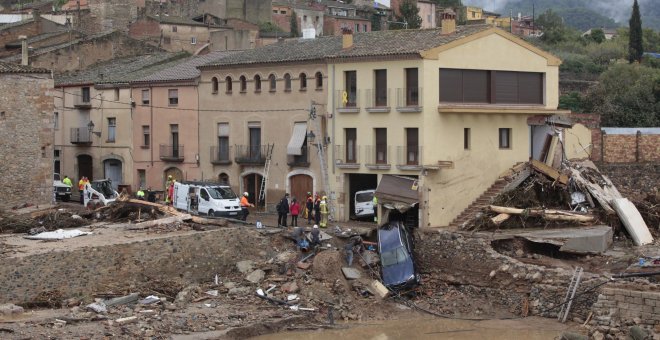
(324, 212)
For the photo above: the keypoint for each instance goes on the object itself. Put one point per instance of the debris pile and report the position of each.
(52, 220)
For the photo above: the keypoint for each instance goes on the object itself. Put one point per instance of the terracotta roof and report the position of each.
(370, 44)
(173, 20)
(15, 68)
(185, 69)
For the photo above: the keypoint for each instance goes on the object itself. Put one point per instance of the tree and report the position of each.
(553, 27)
(635, 47)
(597, 35)
(375, 21)
(449, 3)
(409, 15)
(294, 24)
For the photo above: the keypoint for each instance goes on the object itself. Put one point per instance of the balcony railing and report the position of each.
(82, 101)
(348, 101)
(172, 153)
(409, 99)
(409, 157)
(377, 156)
(299, 160)
(221, 155)
(81, 135)
(347, 157)
(251, 154)
(378, 101)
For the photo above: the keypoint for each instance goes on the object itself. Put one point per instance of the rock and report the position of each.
(505, 268)
(537, 277)
(492, 273)
(10, 308)
(597, 336)
(72, 302)
(186, 294)
(637, 321)
(291, 287)
(303, 265)
(638, 333)
(520, 253)
(256, 276)
(229, 285)
(245, 266)
(573, 336)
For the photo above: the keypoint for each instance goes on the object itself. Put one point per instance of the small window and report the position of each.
(56, 120)
(112, 126)
(243, 84)
(364, 28)
(204, 194)
(273, 82)
(357, 28)
(116, 94)
(505, 138)
(257, 83)
(214, 84)
(223, 178)
(173, 95)
(303, 82)
(282, 12)
(173, 28)
(146, 136)
(466, 138)
(145, 97)
(287, 82)
(86, 95)
(193, 40)
(319, 80)
(228, 84)
(275, 11)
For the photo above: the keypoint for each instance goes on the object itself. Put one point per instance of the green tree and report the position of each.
(269, 27)
(553, 27)
(294, 24)
(597, 35)
(635, 45)
(449, 3)
(409, 15)
(571, 101)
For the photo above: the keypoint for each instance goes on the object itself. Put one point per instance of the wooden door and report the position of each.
(251, 185)
(300, 186)
(85, 167)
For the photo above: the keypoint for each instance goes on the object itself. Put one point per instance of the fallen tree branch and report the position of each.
(548, 214)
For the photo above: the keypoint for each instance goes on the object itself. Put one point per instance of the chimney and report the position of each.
(24, 50)
(347, 38)
(448, 22)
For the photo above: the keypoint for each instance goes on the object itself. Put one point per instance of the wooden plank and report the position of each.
(633, 221)
(550, 172)
(166, 220)
(500, 218)
(550, 214)
(519, 178)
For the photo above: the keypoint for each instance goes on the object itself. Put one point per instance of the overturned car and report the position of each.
(396, 245)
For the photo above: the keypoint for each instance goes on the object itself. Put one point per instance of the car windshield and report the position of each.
(394, 256)
(221, 193)
(364, 197)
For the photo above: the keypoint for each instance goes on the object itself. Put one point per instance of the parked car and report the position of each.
(395, 245)
(206, 199)
(364, 206)
(61, 190)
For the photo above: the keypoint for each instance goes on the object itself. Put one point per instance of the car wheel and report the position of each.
(66, 198)
(211, 213)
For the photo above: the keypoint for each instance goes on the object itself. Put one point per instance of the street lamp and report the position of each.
(90, 127)
(311, 137)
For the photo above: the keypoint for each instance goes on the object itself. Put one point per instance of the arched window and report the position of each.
(214, 84)
(273, 82)
(287, 82)
(303, 82)
(319, 80)
(223, 178)
(257, 83)
(228, 84)
(243, 82)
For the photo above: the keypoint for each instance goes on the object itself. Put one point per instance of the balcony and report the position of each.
(299, 161)
(251, 154)
(348, 102)
(378, 157)
(171, 153)
(378, 101)
(347, 157)
(409, 158)
(409, 99)
(221, 155)
(82, 101)
(81, 135)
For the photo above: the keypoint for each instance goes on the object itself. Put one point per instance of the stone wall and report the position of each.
(617, 307)
(27, 137)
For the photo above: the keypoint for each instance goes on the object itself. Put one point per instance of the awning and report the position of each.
(297, 139)
(397, 192)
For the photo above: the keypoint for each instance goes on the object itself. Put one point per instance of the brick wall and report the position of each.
(623, 305)
(11, 34)
(630, 148)
(27, 137)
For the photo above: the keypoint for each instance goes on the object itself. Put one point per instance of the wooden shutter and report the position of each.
(475, 86)
(451, 86)
(530, 88)
(506, 87)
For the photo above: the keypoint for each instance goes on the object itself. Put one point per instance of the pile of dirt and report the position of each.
(649, 208)
(53, 220)
(126, 211)
(327, 266)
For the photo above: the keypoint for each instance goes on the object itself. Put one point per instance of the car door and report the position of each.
(204, 201)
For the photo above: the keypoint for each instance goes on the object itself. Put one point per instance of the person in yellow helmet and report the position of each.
(324, 212)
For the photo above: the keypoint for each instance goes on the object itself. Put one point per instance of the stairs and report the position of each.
(480, 203)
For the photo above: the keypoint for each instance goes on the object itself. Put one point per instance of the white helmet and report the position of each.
(246, 194)
(316, 226)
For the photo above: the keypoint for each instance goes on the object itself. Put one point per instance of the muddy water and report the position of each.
(426, 328)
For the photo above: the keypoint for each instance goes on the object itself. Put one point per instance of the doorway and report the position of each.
(359, 182)
(251, 185)
(175, 173)
(85, 167)
(300, 185)
(112, 168)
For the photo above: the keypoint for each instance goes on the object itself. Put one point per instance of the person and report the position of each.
(316, 236)
(81, 189)
(323, 207)
(354, 243)
(374, 202)
(140, 194)
(151, 196)
(309, 205)
(167, 189)
(170, 192)
(245, 205)
(67, 181)
(317, 209)
(282, 210)
(295, 211)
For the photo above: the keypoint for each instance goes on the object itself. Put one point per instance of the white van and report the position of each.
(206, 199)
(364, 206)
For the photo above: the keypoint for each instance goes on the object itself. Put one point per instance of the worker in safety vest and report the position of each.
(81, 187)
(67, 181)
(140, 194)
(324, 212)
(168, 198)
(245, 205)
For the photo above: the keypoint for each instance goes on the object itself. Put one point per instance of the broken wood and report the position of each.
(122, 300)
(161, 207)
(633, 221)
(500, 218)
(550, 172)
(166, 220)
(209, 221)
(549, 214)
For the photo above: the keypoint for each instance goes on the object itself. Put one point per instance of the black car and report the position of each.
(395, 244)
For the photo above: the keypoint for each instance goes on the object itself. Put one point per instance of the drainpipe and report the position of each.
(332, 110)
(151, 126)
(199, 165)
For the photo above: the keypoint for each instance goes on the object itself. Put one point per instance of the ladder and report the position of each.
(572, 287)
(264, 178)
(320, 146)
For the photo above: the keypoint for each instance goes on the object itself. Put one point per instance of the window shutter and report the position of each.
(506, 87)
(451, 85)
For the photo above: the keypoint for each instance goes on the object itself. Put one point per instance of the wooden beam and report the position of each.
(550, 172)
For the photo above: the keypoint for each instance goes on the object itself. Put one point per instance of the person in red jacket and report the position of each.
(294, 210)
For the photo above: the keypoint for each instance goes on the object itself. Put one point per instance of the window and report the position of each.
(505, 138)
(412, 87)
(204, 194)
(86, 96)
(223, 178)
(273, 82)
(380, 92)
(174, 139)
(357, 28)
(223, 142)
(303, 82)
(112, 126)
(364, 28)
(214, 85)
(167, 40)
(193, 40)
(381, 145)
(275, 11)
(287, 82)
(257, 83)
(146, 136)
(228, 84)
(319, 80)
(116, 93)
(496, 87)
(282, 12)
(173, 28)
(304, 18)
(173, 95)
(351, 145)
(412, 146)
(243, 84)
(142, 177)
(466, 138)
(145, 97)
(518, 87)
(350, 79)
(56, 120)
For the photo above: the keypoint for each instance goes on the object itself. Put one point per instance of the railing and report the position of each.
(409, 99)
(82, 101)
(220, 154)
(378, 154)
(347, 101)
(173, 153)
(377, 100)
(250, 154)
(409, 156)
(299, 160)
(81, 135)
(347, 156)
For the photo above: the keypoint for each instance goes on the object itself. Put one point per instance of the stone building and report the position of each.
(26, 136)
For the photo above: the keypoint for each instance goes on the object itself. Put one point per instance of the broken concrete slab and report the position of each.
(351, 273)
(245, 266)
(633, 221)
(585, 240)
(256, 276)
